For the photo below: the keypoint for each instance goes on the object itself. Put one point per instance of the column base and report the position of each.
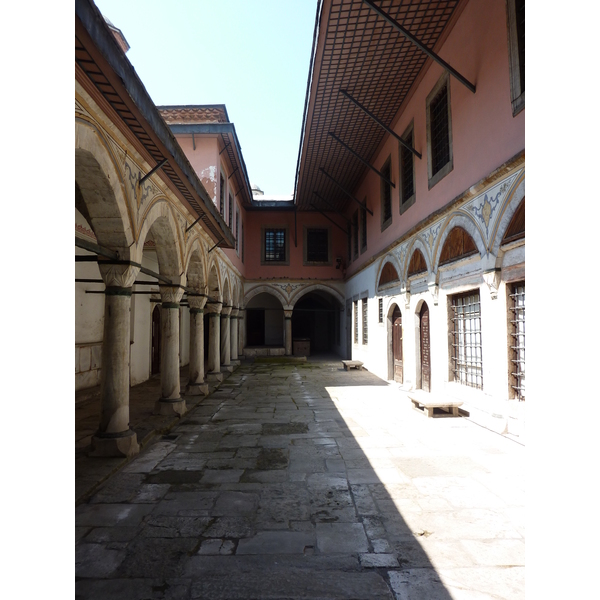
(120, 445)
(170, 407)
(212, 376)
(196, 389)
(227, 368)
(236, 362)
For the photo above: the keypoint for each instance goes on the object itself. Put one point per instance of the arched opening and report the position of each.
(395, 353)
(417, 264)
(264, 321)
(423, 350)
(459, 244)
(388, 275)
(516, 227)
(316, 324)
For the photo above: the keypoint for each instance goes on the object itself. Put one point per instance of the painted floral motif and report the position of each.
(288, 287)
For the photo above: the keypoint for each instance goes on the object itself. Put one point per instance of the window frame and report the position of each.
(516, 336)
(363, 228)
(434, 179)
(222, 185)
(517, 95)
(230, 212)
(355, 235)
(237, 230)
(406, 203)
(263, 233)
(355, 302)
(365, 321)
(383, 186)
(316, 263)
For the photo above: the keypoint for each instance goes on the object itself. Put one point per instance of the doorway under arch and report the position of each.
(316, 319)
(395, 351)
(423, 348)
(264, 321)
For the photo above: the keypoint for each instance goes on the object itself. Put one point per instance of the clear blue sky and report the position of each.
(251, 55)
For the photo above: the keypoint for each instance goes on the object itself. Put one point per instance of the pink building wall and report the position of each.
(484, 132)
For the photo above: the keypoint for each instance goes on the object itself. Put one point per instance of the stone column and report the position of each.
(287, 315)
(225, 341)
(114, 437)
(196, 385)
(170, 402)
(233, 317)
(241, 331)
(214, 343)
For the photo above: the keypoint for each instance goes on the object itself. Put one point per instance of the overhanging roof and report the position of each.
(103, 68)
(360, 52)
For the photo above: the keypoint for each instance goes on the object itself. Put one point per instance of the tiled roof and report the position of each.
(193, 114)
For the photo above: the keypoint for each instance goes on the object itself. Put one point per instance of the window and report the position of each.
(515, 10)
(222, 196)
(237, 232)
(386, 194)
(365, 332)
(363, 228)
(465, 317)
(439, 132)
(349, 236)
(230, 212)
(274, 246)
(407, 171)
(242, 241)
(356, 321)
(381, 310)
(317, 246)
(355, 234)
(516, 305)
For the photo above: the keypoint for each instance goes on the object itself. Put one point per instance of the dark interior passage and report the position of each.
(316, 318)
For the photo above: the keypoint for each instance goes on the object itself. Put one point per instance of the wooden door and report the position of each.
(155, 367)
(425, 350)
(397, 344)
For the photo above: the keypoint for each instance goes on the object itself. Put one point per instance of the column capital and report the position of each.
(196, 301)
(287, 314)
(226, 310)
(118, 273)
(170, 293)
(234, 313)
(213, 308)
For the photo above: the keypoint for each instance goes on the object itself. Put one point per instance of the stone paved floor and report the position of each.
(306, 481)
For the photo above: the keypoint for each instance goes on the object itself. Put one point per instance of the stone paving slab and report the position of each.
(285, 483)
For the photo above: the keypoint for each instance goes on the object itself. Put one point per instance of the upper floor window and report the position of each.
(363, 228)
(317, 247)
(222, 196)
(386, 194)
(274, 246)
(407, 171)
(355, 234)
(439, 132)
(515, 10)
(237, 231)
(242, 241)
(230, 211)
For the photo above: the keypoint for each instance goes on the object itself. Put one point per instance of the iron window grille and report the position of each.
(365, 329)
(356, 321)
(386, 195)
(440, 141)
(355, 234)
(230, 211)
(517, 339)
(237, 231)
(275, 245)
(467, 364)
(317, 245)
(222, 196)
(516, 49)
(363, 228)
(242, 241)
(349, 236)
(381, 310)
(407, 189)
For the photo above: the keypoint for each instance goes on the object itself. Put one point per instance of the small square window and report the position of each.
(317, 246)
(439, 132)
(275, 248)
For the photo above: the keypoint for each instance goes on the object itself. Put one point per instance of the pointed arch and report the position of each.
(389, 272)
(313, 288)
(466, 224)
(214, 283)
(269, 289)
(510, 208)
(226, 291)
(196, 268)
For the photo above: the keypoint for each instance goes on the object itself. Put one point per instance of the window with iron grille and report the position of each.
(317, 246)
(222, 196)
(355, 234)
(365, 328)
(386, 194)
(407, 172)
(242, 241)
(465, 316)
(349, 237)
(230, 211)
(516, 46)
(381, 310)
(516, 303)
(275, 245)
(439, 132)
(237, 231)
(356, 321)
(363, 228)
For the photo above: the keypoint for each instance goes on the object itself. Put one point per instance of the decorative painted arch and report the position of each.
(313, 288)
(196, 268)
(464, 222)
(388, 259)
(416, 244)
(510, 207)
(265, 289)
(100, 192)
(159, 220)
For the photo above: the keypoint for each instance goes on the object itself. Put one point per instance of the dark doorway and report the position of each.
(316, 318)
(397, 344)
(155, 361)
(255, 327)
(424, 346)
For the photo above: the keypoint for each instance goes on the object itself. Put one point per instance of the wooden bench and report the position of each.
(352, 364)
(426, 403)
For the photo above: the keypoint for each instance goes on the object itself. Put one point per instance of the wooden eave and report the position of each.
(106, 74)
(360, 52)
